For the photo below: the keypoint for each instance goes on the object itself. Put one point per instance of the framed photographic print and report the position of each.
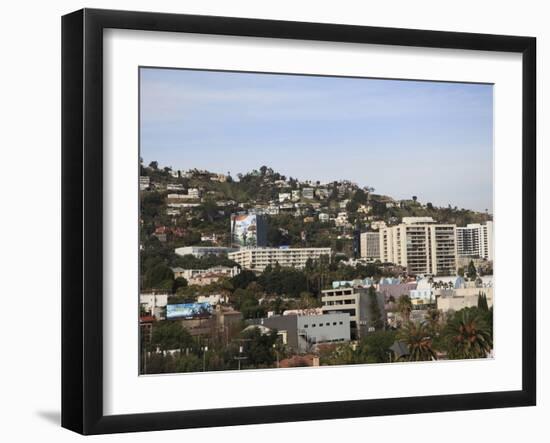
(268, 221)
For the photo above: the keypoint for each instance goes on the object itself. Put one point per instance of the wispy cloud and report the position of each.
(399, 132)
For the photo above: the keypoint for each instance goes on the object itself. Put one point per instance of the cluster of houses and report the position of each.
(345, 314)
(428, 255)
(204, 277)
(299, 198)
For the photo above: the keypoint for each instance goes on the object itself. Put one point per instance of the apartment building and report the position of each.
(370, 245)
(257, 259)
(421, 246)
(202, 251)
(475, 240)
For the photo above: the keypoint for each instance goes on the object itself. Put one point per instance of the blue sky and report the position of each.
(429, 139)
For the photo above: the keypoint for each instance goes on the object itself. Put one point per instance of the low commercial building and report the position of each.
(304, 331)
(257, 259)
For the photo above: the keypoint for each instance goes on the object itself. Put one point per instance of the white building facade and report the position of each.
(257, 259)
(154, 303)
(421, 246)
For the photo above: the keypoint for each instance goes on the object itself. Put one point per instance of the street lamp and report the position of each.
(240, 357)
(241, 350)
(205, 350)
(276, 353)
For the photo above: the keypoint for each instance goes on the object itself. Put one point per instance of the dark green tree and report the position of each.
(169, 334)
(245, 301)
(418, 340)
(259, 348)
(482, 304)
(158, 276)
(376, 321)
(472, 272)
(375, 347)
(179, 282)
(188, 363)
(243, 279)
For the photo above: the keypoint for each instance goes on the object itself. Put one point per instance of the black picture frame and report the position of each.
(82, 239)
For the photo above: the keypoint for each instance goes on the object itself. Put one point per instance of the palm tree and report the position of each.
(468, 335)
(391, 303)
(404, 305)
(419, 342)
(433, 317)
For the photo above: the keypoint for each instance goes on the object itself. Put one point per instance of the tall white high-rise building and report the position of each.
(420, 245)
(475, 240)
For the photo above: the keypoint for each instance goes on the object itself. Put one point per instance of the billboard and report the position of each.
(248, 230)
(188, 310)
